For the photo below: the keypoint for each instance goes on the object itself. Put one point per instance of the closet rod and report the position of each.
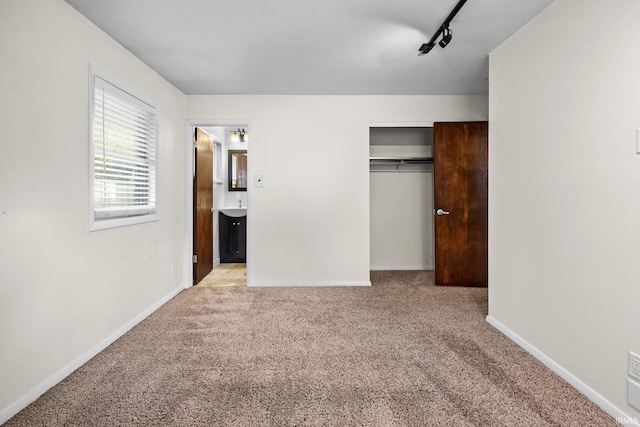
(400, 160)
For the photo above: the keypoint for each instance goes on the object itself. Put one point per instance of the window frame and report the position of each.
(118, 217)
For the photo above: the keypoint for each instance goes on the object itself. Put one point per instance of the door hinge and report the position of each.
(194, 259)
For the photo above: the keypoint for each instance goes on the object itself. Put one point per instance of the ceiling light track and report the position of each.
(444, 29)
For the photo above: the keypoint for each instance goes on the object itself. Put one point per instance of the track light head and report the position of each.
(447, 35)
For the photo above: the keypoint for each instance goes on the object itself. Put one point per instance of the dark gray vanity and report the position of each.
(233, 238)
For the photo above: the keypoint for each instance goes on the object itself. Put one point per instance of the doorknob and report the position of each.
(442, 212)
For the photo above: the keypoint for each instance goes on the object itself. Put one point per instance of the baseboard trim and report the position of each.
(401, 267)
(10, 411)
(587, 391)
(216, 262)
(307, 284)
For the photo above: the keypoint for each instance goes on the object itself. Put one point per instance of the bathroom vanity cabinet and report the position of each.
(233, 238)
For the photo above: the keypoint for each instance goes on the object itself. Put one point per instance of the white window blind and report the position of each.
(124, 154)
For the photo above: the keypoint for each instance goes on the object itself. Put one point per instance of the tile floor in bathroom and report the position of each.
(232, 274)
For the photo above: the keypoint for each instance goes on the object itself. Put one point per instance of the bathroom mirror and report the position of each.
(237, 170)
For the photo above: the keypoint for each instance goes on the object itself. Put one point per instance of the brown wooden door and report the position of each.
(461, 192)
(202, 206)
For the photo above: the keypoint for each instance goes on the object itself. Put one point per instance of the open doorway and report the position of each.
(218, 203)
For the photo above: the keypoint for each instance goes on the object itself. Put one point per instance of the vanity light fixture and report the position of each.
(239, 136)
(235, 136)
(444, 29)
(244, 136)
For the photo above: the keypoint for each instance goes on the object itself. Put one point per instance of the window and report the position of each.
(123, 157)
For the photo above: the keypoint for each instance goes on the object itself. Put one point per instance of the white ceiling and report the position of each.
(334, 47)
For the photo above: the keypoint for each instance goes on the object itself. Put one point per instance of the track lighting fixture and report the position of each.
(239, 136)
(444, 29)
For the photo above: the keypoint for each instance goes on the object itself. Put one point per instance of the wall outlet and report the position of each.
(633, 393)
(634, 365)
(258, 181)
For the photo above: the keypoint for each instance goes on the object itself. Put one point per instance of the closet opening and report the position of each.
(401, 198)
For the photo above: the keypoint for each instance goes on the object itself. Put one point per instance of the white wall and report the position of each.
(564, 191)
(310, 222)
(64, 291)
(401, 206)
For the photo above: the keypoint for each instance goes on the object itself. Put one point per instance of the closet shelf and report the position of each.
(399, 160)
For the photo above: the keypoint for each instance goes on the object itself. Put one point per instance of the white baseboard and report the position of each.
(306, 284)
(589, 393)
(32, 395)
(216, 262)
(400, 267)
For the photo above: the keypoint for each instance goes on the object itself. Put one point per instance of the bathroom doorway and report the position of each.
(228, 205)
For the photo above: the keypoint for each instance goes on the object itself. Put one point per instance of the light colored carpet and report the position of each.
(401, 353)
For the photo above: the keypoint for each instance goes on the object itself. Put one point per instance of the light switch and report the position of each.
(258, 181)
